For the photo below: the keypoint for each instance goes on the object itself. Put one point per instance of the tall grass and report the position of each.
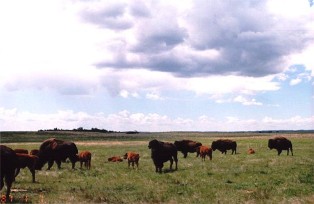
(260, 178)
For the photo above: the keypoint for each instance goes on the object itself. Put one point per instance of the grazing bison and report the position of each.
(223, 145)
(280, 143)
(8, 161)
(204, 150)
(56, 150)
(115, 159)
(186, 146)
(21, 151)
(162, 152)
(34, 152)
(84, 157)
(251, 151)
(132, 158)
(25, 160)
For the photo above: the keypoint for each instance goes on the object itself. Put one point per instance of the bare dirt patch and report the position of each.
(112, 143)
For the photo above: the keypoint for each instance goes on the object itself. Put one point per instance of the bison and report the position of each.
(132, 158)
(21, 151)
(34, 152)
(56, 150)
(186, 146)
(115, 159)
(223, 145)
(84, 157)
(9, 163)
(251, 151)
(162, 152)
(204, 150)
(25, 160)
(280, 143)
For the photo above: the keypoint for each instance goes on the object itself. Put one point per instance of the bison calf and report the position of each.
(25, 160)
(280, 143)
(34, 152)
(115, 159)
(206, 151)
(251, 151)
(162, 152)
(21, 151)
(86, 158)
(132, 158)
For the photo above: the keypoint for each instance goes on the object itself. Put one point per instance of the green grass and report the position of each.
(242, 178)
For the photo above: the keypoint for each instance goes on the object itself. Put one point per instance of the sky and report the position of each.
(148, 65)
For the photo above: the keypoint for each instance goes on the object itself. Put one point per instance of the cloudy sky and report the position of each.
(147, 65)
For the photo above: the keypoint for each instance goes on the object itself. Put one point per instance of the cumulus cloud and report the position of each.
(249, 39)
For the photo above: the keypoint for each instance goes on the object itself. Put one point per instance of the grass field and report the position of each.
(260, 178)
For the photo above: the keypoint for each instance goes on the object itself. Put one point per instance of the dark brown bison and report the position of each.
(132, 158)
(186, 146)
(34, 152)
(56, 150)
(8, 161)
(223, 145)
(162, 152)
(206, 151)
(25, 160)
(84, 157)
(280, 143)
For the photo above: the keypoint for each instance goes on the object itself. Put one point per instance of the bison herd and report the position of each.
(54, 150)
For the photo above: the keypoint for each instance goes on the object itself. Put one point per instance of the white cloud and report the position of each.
(247, 102)
(12, 119)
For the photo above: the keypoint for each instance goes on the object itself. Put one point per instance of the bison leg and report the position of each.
(73, 160)
(9, 180)
(50, 163)
(185, 154)
(89, 164)
(291, 151)
(32, 170)
(279, 151)
(17, 172)
(1, 182)
(58, 163)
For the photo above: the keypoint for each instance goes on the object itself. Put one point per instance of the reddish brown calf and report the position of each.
(86, 158)
(115, 159)
(25, 160)
(132, 158)
(204, 150)
(251, 151)
(34, 152)
(21, 151)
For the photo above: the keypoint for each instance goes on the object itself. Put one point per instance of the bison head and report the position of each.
(214, 145)
(153, 144)
(271, 143)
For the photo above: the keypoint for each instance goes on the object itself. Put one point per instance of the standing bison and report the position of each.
(206, 151)
(8, 161)
(280, 143)
(186, 146)
(162, 152)
(223, 145)
(56, 150)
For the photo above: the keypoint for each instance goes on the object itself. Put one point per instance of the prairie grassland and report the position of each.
(260, 178)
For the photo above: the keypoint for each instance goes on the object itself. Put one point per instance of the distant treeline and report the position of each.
(81, 129)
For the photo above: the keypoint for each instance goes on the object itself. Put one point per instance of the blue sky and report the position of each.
(157, 65)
